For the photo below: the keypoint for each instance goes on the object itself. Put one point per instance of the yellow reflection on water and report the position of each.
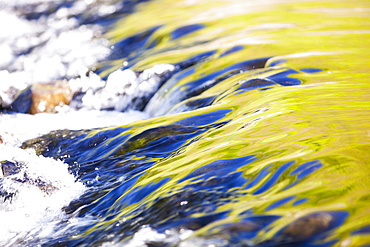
(326, 118)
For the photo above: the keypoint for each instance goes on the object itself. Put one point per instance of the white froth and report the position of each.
(46, 49)
(52, 47)
(148, 235)
(49, 48)
(17, 128)
(122, 89)
(32, 213)
(34, 209)
(55, 47)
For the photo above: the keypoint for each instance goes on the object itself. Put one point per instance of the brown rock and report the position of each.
(47, 96)
(308, 226)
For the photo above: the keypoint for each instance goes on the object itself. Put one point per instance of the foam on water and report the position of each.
(56, 46)
(52, 47)
(148, 235)
(123, 89)
(40, 189)
(35, 211)
(17, 128)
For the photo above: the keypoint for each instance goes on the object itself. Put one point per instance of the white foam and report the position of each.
(56, 47)
(17, 128)
(53, 47)
(148, 235)
(122, 89)
(34, 208)
(33, 213)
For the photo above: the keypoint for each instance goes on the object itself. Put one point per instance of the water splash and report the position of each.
(32, 195)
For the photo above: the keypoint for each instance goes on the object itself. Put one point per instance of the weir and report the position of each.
(193, 123)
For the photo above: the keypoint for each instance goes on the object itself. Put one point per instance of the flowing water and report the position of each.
(191, 123)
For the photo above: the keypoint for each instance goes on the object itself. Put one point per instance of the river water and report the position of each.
(190, 123)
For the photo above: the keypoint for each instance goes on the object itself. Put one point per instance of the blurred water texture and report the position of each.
(260, 137)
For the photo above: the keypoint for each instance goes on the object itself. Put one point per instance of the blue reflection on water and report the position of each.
(297, 175)
(182, 31)
(192, 223)
(204, 119)
(219, 169)
(195, 59)
(277, 62)
(304, 170)
(362, 230)
(101, 207)
(232, 50)
(135, 43)
(283, 78)
(299, 201)
(118, 171)
(254, 84)
(22, 103)
(200, 85)
(280, 202)
(311, 70)
(275, 176)
(247, 228)
(134, 196)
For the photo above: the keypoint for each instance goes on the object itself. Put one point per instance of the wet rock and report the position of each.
(51, 140)
(308, 226)
(152, 137)
(307, 229)
(42, 97)
(14, 171)
(9, 168)
(22, 102)
(47, 96)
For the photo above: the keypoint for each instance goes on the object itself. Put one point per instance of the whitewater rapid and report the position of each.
(34, 189)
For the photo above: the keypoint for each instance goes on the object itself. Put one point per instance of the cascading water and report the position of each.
(184, 123)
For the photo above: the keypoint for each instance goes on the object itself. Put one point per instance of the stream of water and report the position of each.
(185, 123)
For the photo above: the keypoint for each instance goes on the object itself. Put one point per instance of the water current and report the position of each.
(185, 123)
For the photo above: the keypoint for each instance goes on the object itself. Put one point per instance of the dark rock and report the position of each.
(9, 168)
(22, 102)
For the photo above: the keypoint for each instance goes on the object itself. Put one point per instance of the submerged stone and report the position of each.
(42, 144)
(307, 227)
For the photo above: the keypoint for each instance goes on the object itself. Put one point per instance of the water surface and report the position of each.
(259, 135)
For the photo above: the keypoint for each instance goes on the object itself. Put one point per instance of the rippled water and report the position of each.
(258, 132)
